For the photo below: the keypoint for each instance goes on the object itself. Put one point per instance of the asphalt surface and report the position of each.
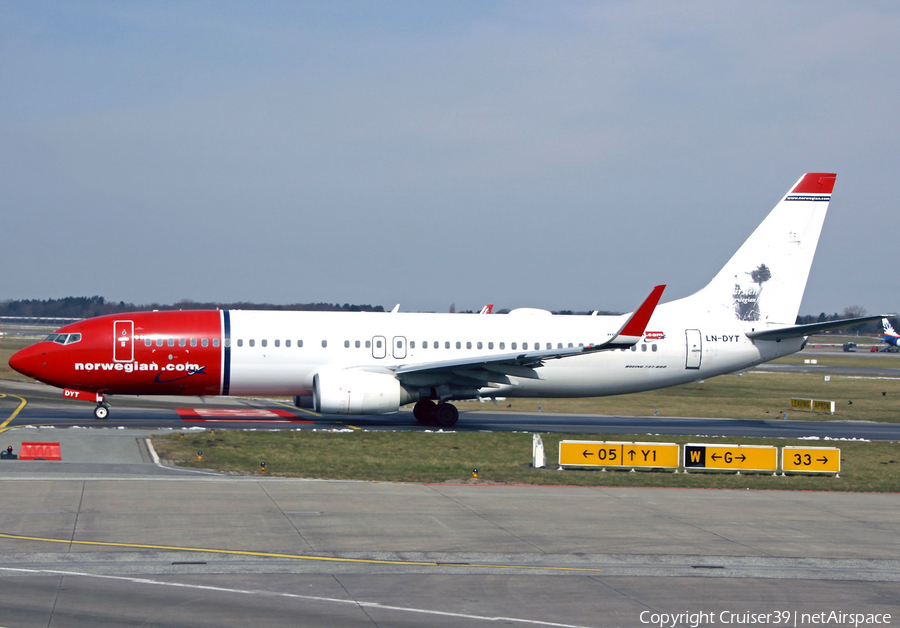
(109, 537)
(45, 407)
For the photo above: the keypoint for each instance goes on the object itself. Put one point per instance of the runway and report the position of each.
(46, 407)
(138, 544)
(107, 537)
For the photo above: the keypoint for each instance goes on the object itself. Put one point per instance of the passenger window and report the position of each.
(412, 344)
(193, 342)
(378, 344)
(346, 344)
(634, 347)
(277, 343)
(458, 344)
(147, 342)
(182, 342)
(324, 343)
(252, 343)
(502, 345)
(643, 347)
(227, 342)
(215, 342)
(524, 346)
(490, 345)
(653, 347)
(159, 342)
(287, 343)
(468, 345)
(204, 342)
(368, 344)
(240, 342)
(479, 345)
(446, 344)
(264, 342)
(299, 343)
(514, 346)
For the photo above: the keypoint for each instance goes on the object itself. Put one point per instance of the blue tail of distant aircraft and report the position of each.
(890, 336)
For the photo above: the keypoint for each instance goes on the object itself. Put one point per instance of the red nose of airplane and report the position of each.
(27, 361)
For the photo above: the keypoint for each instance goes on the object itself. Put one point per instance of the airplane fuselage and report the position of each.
(240, 352)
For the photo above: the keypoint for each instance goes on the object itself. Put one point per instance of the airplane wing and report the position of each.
(482, 371)
(798, 331)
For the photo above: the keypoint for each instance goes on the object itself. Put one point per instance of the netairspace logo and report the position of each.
(774, 618)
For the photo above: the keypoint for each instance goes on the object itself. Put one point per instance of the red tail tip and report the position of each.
(815, 183)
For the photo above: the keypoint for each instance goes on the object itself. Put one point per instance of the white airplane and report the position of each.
(372, 363)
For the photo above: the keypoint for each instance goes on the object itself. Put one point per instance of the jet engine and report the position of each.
(357, 391)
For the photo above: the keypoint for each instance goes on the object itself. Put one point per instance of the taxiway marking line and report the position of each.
(315, 414)
(3, 426)
(331, 559)
(296, 408)
(294, 596)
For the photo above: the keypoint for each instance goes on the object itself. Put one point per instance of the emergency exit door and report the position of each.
(123, 341)
(694, 349)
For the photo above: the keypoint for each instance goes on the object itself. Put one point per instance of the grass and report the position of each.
(751, 395)
(8, 346)
(433, 457)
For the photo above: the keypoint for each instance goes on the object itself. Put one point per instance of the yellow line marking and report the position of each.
(366, 561)
(3, 426)
(296, 409)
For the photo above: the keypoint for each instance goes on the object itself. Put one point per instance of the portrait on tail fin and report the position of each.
(746, 297)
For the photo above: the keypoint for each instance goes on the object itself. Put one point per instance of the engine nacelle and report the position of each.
(355, 391)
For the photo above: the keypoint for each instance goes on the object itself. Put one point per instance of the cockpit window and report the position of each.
(63, 339)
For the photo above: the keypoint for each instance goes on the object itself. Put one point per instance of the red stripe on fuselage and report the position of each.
(180, 366)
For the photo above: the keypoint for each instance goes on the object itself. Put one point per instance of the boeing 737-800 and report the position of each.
(372, 363)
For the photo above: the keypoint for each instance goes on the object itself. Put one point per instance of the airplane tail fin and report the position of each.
(888, 328)
(764, 281)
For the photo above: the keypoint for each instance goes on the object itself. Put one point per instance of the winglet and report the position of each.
(633, 329)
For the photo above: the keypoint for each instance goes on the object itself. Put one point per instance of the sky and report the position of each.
(560, 155)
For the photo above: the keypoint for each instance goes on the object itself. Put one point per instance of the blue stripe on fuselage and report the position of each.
(226, 347)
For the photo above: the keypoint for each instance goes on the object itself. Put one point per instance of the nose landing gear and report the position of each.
(101, 411)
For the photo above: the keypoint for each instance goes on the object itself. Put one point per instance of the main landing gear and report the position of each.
(442, 414)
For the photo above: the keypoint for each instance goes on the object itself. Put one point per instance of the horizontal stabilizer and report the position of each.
(798, 331)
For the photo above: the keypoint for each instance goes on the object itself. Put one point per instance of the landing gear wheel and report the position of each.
(101, 411)
(424, 411)
(446, 415)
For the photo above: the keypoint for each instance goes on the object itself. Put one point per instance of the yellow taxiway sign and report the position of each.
(811, 459)
(582, 453)
(731, 457)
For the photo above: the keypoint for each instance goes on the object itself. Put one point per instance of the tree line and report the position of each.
(87, 307)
